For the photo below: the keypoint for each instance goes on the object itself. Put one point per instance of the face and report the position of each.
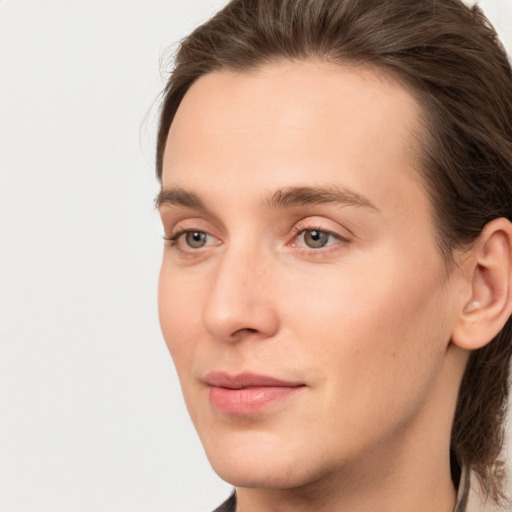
(302, 296)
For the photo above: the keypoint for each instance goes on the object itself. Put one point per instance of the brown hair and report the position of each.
(449, 56)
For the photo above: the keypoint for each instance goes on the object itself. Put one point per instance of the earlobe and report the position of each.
(489, 270)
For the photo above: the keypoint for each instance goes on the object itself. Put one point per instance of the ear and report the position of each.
(488, 271)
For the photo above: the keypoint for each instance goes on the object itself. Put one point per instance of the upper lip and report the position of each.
(246, 380)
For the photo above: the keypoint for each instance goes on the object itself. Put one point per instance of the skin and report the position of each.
(364, 322)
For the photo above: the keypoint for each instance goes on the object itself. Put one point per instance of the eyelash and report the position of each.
(173, 239)
(300, 229)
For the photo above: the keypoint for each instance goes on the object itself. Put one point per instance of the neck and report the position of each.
(386, 488)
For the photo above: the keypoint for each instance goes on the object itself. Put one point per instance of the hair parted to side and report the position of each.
(449, 56)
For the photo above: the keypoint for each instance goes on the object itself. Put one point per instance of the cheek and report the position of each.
(370, 297)
(373, 329)
(180, 318)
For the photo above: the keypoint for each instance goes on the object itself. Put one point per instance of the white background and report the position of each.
(91, 416)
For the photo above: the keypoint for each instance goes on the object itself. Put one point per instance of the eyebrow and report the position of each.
(302, 196)
(287, 197)
(179, 197)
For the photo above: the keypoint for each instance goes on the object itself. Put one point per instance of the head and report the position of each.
(439, 62)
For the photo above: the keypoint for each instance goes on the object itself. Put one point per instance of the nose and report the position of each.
(241, 301)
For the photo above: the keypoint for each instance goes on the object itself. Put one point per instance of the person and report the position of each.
(336, 283)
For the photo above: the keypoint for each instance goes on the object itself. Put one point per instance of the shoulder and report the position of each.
(229, 505)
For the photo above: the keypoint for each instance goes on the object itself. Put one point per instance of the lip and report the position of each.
(247, 393)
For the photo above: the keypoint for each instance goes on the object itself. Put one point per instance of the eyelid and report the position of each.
(176, 225)
(178, 243)
(178, 233)
(324, 225)
(335, 236)
(342, 235)
(319, 224)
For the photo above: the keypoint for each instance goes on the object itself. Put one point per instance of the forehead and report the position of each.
(294, 123)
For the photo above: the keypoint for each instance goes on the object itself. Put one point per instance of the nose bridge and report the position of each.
(239, 296)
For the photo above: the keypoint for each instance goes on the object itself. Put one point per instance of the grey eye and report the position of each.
(196, 239)
(316, 239)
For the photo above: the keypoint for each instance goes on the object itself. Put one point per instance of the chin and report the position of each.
(260, 462)
(260, 475)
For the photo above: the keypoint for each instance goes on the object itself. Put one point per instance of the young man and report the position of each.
(336, 285)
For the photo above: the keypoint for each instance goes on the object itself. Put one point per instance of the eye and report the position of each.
(190, 239)
(195, 239)
(315, 238)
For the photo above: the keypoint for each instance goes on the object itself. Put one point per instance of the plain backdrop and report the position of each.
(91, 415)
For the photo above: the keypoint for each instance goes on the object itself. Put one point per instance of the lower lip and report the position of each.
(249, 400)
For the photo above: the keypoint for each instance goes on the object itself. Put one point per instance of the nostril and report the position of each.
(246, 330)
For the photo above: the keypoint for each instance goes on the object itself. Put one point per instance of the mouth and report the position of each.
(248, 393)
